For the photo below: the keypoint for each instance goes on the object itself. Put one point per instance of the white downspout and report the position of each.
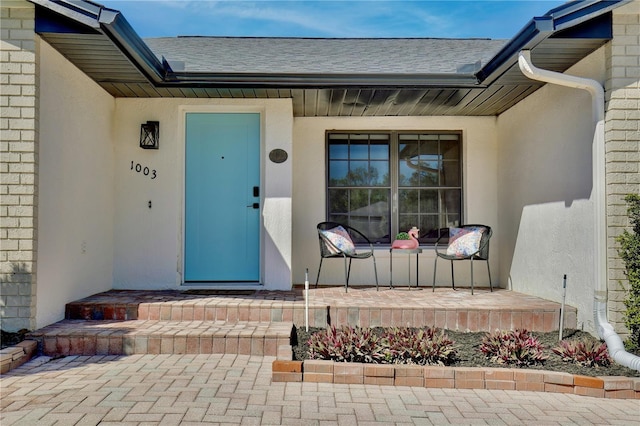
(605, 330)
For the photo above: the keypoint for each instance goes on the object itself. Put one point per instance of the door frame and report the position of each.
(181, 155)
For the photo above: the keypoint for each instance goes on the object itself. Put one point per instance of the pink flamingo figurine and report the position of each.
(408, 244)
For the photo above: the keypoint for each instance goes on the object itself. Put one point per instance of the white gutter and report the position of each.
(605, 330)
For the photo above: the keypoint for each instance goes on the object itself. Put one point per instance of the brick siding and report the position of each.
(19, 171)
(622, 143)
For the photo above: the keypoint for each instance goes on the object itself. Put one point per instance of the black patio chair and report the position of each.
(337, 241)
(480, 252)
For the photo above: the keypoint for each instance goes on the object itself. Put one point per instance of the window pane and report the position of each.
(418, 164)
(338, 151)
(450, 149)
(378, 195)
(429, 150)
(359, 151)
(379, 221)
(369, 213)
(449, 220)
(359, 200)
(450, 203)
(339, 218)
(338, 200)
(380, 151)
(408, 201)
(450, 175)
(429, 228)
(429, 200)
(379, 175)
(408, 221)
(338, 136)
(359, 173)
(407, 158)
(429, 173)
(359, 136)
(408, 137)
(338, 173)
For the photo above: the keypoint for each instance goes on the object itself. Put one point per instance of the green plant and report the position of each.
(403, 236)
(516, 348)
(346, 344)
(588, 353)
(419, 346)
(629, 252)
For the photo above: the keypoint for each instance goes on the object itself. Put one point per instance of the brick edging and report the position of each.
(617, 387)
(14, 356)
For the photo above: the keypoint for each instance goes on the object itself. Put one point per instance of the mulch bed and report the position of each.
(468, 345)
(11, 339)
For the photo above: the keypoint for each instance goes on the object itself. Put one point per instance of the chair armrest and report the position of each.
(435, 246)
(360, 235)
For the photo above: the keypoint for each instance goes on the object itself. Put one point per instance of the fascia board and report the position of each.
(322, 81)
(116, 27)
(72, 10)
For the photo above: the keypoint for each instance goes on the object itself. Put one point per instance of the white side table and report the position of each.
(415, 251)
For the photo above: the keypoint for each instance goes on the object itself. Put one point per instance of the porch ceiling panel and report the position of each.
(96, 56)
(555, 55)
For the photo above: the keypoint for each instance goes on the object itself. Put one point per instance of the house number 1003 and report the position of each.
(144, 170)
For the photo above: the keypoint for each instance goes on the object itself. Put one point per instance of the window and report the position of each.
(383, 183)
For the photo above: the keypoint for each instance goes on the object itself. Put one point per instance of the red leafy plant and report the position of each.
(419, 346)
(517, 348)
(347, 344)
(393, 346)
(586, 352)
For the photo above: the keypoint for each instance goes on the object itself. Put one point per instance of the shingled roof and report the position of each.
(326, 55)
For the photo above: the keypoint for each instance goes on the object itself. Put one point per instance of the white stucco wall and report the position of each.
(545, 188)
(309, 190)
(148, 241)
(76, 198)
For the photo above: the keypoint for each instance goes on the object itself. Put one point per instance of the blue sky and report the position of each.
(495, 19)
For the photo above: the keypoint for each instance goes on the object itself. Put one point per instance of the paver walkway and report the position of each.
(237, 389)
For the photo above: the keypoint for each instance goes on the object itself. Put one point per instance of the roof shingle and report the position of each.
(326, 56)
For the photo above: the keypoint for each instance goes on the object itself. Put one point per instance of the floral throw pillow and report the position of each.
(340, 238)
(464, 241)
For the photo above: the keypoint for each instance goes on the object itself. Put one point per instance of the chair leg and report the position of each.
(489, 271)
(319, 268)
(375, 271)
(347, 272)
(472, 275)
(435, 265)
(453, 283)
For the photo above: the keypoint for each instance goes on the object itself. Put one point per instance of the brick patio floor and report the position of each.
(237, 389)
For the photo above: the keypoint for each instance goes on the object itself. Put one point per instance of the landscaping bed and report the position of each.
(468, 345)
(8, 339)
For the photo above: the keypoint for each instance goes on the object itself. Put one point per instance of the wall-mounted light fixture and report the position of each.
(150, 135)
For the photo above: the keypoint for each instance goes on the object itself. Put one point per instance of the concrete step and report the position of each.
(89, 337)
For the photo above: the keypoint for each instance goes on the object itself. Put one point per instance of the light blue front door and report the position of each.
(222, 198)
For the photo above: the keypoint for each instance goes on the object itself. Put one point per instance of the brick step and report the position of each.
(541, 319)
(455, 310)
(88, 337)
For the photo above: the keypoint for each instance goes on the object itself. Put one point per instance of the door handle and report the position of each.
(254, 205)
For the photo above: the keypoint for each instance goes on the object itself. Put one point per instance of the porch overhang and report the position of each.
(101, 43)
